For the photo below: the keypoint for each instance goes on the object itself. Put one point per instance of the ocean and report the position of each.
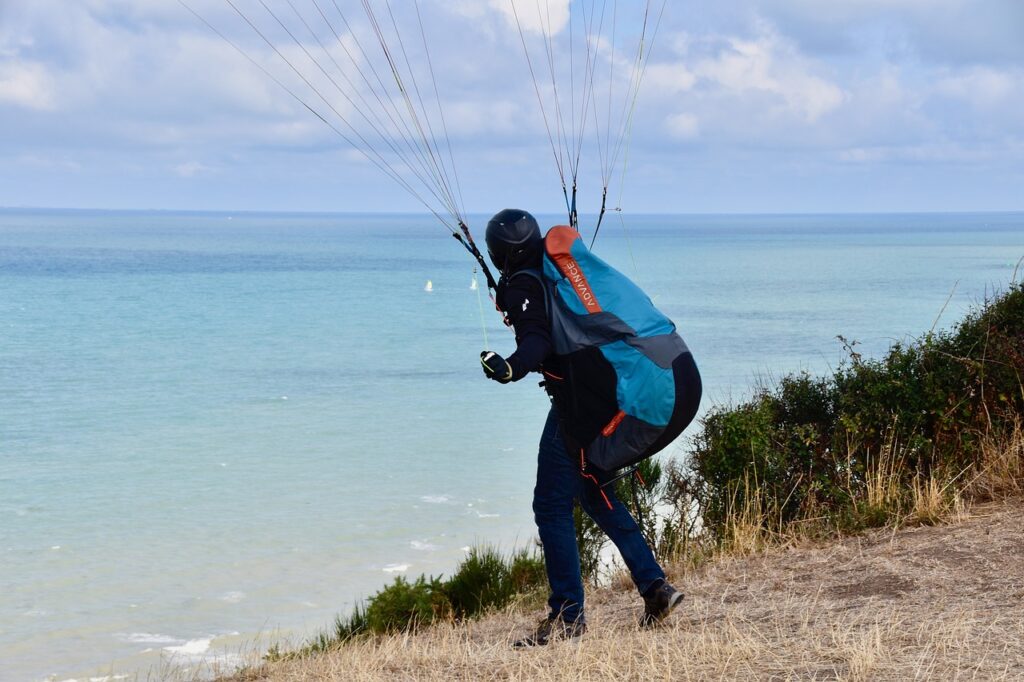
(219, 429)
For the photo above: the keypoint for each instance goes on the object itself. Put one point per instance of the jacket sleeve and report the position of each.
(523, 301)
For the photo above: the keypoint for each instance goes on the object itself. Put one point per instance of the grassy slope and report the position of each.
(942, 602)
(908, 439)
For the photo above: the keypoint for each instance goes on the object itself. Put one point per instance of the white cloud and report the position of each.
(499, 116)
(683, 126)
(26, 84)
(769, 65)
(535, 16)
(981, 86)
(941, 31)
(190, 169)
(470, 9)
(670, 77)
(773, 82)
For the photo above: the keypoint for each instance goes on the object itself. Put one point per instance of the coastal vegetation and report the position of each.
(485, 580)
(910, 439)
(900, 439)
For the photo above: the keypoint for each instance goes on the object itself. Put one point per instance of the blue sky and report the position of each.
(773, 106)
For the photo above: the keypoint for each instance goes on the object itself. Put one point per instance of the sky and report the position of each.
(745, 106)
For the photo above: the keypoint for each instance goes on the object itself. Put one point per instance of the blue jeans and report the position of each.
(559, 484)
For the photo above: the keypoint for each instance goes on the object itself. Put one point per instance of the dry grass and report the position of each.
(914, 600)
(942, 496)
(1001, 472)
(887, 647)
(749, 524)
(942, 602)
(932, 502)
(883, 486)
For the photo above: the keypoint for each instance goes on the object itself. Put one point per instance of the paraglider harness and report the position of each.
(615, 391)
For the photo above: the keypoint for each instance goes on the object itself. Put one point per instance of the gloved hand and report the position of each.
(496, 367)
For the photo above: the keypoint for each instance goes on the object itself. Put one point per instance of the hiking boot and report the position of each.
(659, 600)
(550, 629)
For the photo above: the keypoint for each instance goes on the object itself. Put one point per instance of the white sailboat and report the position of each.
(429, 287)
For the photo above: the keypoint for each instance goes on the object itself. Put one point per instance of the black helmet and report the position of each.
(513, 240)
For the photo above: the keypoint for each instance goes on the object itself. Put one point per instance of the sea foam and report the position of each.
(148, 638)
(193, 647)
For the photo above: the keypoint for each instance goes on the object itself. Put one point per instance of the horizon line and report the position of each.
(427, 214)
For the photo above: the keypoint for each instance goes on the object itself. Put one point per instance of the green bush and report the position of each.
(936, 397)
(808, 443)
(731, 443)
(353, 626)
(526, 571)
(482, 581)
(405, 605)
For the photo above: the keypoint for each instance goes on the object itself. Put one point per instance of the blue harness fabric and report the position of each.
(616, 350)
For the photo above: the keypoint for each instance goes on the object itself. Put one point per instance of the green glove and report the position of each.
(496, 367)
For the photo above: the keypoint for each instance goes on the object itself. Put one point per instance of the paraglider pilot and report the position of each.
(516, 247)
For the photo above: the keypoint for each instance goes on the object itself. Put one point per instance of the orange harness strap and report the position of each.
(640, 478)
(592, 477)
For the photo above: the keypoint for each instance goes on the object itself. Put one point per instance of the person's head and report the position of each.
(514, 240)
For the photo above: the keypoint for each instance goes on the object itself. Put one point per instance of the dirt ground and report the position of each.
(927, 603)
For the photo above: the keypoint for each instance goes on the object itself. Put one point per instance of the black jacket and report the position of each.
(523, 300)
(581, 385)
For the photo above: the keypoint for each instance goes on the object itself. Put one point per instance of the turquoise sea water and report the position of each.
(214, 426)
